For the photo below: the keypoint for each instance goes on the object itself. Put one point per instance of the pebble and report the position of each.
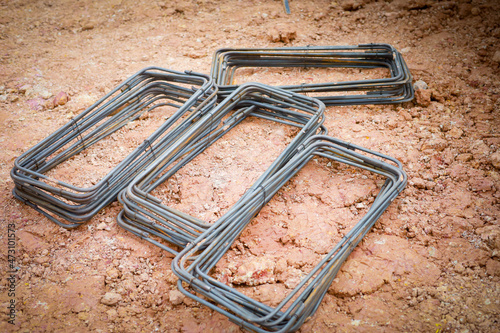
(61, 98)
(176, 297)
(111, 299)
(45, 94)
(420, 84)
(102, 226)
(406, 50)
(24, 88)
(351, 5)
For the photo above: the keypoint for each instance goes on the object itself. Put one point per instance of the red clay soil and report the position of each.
(430, 264)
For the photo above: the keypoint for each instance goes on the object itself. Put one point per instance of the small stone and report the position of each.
(45, 94)
(495, 159)
(281, 265)
(24, 89)
(255, 272)
(102, 226)
(420, 84)
(475, 11)
(79, 307)
(319, 16)
(88, 26)
(405, 50)
(61, 98)
(273, 35)
(111, 299)
(176, 297)
(496, 57)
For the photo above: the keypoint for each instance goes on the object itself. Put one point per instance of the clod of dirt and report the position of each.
(255, 272)
(175, 297)
(496, 57)
(282, 33)
(111, 299)
(423, 97)
(495, 159)
(455, 133)
(36, 104)
(491, 235)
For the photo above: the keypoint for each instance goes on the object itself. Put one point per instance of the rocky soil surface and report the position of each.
(430, 264)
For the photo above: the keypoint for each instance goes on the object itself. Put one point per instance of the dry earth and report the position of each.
(432, 261)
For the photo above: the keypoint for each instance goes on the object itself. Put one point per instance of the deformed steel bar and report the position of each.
(190, 94)
(193, 264)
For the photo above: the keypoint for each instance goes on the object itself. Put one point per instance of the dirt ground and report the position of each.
(430, 264)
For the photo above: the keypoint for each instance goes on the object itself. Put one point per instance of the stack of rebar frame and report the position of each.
(203, 110)
(191, 95)
(194, 264)
(396, 88)
(145, 215)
